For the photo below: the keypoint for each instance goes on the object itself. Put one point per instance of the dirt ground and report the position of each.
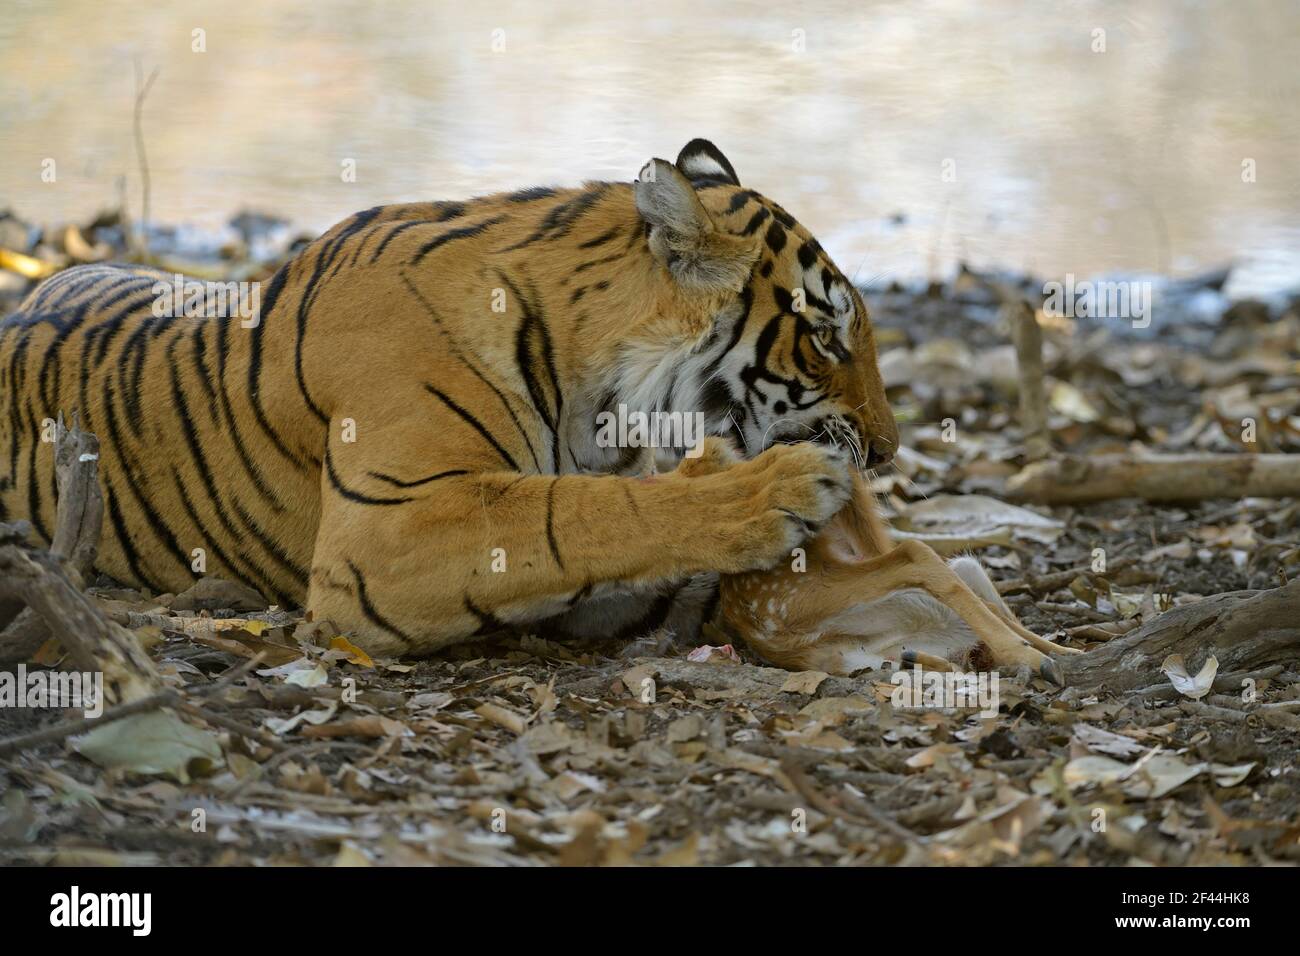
(523, 751)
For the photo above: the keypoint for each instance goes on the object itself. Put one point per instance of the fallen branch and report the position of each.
(167, 697)
(1231, 681)
(49, 582)
(845, 806)
(1073, 480)
(93, 642)
(740, 678)
(71, 728)
(1059, 579)
(76, 534)
(1028, 337)
(80, 510)
(1244, 630)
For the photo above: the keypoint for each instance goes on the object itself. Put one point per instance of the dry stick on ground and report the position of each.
(163, 698)
(1230, 681)
(76, 531)
(1244, 630)
(763, 682)
(1028, 336)
(847, 807)
(80, 510)
(1060, 579)
(49, 583)
(137, 115)
(1075, 480)
(94, 643)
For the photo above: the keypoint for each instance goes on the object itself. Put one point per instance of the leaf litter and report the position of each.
(524, 751)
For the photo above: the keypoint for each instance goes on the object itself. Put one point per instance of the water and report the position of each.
(1066, 160)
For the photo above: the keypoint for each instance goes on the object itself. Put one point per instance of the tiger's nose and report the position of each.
(879, 453)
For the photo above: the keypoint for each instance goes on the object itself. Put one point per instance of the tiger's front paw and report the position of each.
(716, 454)
(800, 487)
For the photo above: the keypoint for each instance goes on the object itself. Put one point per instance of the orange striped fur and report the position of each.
(467, 348)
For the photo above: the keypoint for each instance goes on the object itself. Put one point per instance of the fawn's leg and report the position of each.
(977, 579)
(912, 565)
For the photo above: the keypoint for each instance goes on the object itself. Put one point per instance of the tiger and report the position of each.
(405, 440)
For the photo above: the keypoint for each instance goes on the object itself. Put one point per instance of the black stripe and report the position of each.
(33, 479)
(599, 262)
(524, 358)
(560, 220)
(311, 290)
(236, 439)
(783, 217)
(198, 352)
(273, 290)
(271, 548)
(464, 232)
(487, 622)
(446, 211)
(603, 238)
(402, 227)
(528, 195)
(263, 588)
(399, 483)
(351, 495)
(191, 436)
(49, 388)
(807, 254)
(550, 524)
(475, 423)
(775, 238)
(369, 610)
(124, 538)
(267, 585)
(106, 329)
(739, 201)
(131, 366)
(155, 521)
(458, 353)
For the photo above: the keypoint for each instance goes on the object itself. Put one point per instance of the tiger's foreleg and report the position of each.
(475, 552)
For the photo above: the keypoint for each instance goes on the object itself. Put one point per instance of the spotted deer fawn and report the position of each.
(856, 599)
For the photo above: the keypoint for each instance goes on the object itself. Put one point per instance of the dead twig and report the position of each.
(137, 114)
(847, 807)
(1028, 338)
(1074, 480)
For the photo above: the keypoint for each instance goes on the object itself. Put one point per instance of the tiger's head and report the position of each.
(789, 353)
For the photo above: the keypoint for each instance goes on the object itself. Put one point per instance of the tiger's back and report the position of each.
(213, 436)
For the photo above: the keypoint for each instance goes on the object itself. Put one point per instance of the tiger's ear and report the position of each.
(682, 235)
(700, 159)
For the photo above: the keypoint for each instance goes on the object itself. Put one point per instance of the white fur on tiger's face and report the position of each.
(790, 354)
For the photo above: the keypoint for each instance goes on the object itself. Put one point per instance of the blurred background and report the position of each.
(1059, 157)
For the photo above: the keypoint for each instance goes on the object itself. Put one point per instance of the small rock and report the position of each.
(209, 594)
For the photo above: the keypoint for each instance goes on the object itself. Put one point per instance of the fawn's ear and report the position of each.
(682, 235)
